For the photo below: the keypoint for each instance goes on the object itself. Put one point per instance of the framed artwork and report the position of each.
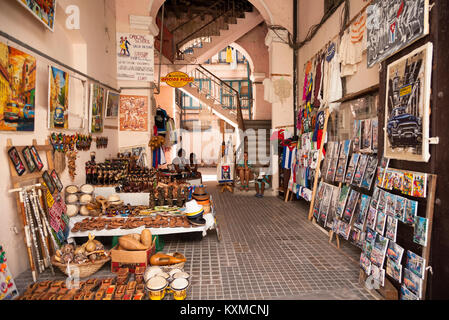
(18, 97)
(133, 113)
(36, 158)
(44, 11)
(97, 100)
(17, 162)
(49, 182)
(58, 99)
(29, 159)
(57, 182)
(393, 25)
(407, 106)
(112, 105)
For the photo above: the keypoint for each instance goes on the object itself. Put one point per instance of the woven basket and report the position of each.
(172, 266)
(86, 269)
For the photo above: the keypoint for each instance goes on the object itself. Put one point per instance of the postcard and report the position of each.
(362, 212)
(391, 228)
(388, 179)
(380, 177)
(350, 206)
(390, 204)
(365, 263)
(370, 172)
(371, 235)
(420, 233)
(342, 199)
(352, 167)
(411, 211)
(397, 179)
(406, 294)
(395, 252)
(419, 185)
(399, 208)
(407, 183)
(394, 270)
(413, 282)
(380, 222)
(415, 264)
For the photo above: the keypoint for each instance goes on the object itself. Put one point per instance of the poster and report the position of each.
(17, 89)
(43, 10)
(135, 57)
(58, 99)
(393, 25)
(407, 109)
(112, 104)
(97, 100)
(133, 113)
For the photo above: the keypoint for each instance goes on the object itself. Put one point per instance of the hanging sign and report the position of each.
(135, 57)
(177, 79)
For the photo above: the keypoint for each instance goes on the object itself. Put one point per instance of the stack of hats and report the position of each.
(194, 213)
(202, 197)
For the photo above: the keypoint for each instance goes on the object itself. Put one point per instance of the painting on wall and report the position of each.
(112, 103)
(17, 89)
(58, 99)
(407, 109)
(393, 25)
(97, 99)
(43, 10)
(133, 113)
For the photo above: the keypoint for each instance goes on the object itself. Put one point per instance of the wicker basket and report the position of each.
(86, 269)
(172, 266)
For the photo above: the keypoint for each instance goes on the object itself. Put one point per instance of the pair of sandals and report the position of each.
(246, 188)
(259, 195)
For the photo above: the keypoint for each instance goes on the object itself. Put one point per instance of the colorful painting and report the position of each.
(325, 203)
(357, 133)
(318, 198)
(333, 208)
(133, 113)
(343, 161)
(407, 183)
(368, 248)
(370, 172)
(97, 100)
(362, 212)
(378, 274)
(112, 105)
(382, 202)
(411, 211)
(330, 176)
(413, 282)
(420, 232)
(399, 208)
(397, 179)
(350, 206)
(406, 294)
(366, 136)
(415, 264)
(43, 10)
(370, 235)
(395, 252)
(394, 270)
(17, 89)
(380, 222)
(375, 133)
(391, 228)
(365, 263)
(342, 198)
(371, 217)
(388, 179)
(352, 167)
(393, 25)
(419, 185)
(58, 99)
(379, 250)
(408, 106)
(344, 230)
(380, 177)
(390, 204)
(359, 173)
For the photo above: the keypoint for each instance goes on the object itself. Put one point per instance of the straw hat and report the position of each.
(193, 210)
(200, 193)
(114, 199)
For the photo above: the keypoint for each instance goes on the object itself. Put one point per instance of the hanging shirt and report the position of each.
(160, 119)
(228, 55)
(287, 156)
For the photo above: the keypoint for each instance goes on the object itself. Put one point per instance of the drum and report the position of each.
(151, 272)
(72, 210)
(87, 188)
(164, 275)
(179, 288)
(71, 189)
(86, 198)
(84, 211)
(156, 287)
(174, 271)
(181, 275)
(71, 198)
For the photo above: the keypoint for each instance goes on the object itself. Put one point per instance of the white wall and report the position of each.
(96, 59)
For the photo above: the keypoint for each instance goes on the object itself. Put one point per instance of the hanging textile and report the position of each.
(353, 43)
(160, 120)
(228, 55)
(332, 86)
(234, 59)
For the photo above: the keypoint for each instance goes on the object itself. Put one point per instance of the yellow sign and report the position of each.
(177, 79)
(405, 91)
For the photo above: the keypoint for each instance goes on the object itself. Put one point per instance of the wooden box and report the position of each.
(130, 259)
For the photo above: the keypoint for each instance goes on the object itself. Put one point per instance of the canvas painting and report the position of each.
(97, 100)
(371, 217)
(133, 113)
(382, 202)
(344, 230)
(58, 99)
(371, 235)
(394, 270)
(391, 228)
(378, 275)
(411, 211)
(112, 105)
(360, 171)
(368, 249)
(318, 198)
(407, 183)
(397, 179)
(388, 179)
(366, 140)
(370, 172)
(406, 294)
(415, 264)
(375, 196)
(399, 208)
(17, 89)
(362, 212)
(352, 167)
(393, 25)
(420, 232)
(328, 157)
(350, 206)
(395, 252)
(390, 204)
(331, 216)
(419, 185)
(343, 161)
(356, 238)
(408, 106)
(44, 11)
(333, 162)
(380, 177)
(365, 263)
(413, 282)
(325, 203)
(380, 222)
(342, 198)
(357, 135)
(375, 133)
(379, 250)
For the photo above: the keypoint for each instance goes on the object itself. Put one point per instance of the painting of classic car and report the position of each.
(407, 106)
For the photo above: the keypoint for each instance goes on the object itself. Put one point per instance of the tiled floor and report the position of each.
(268, 250)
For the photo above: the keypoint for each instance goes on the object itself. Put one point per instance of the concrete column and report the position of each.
(281, 75)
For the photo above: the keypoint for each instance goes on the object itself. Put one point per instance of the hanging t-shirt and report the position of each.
(159, 120)
(287, 156)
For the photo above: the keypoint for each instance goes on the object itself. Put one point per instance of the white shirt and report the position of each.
(181, 162)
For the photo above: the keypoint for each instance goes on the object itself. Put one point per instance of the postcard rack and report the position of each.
(27, 179)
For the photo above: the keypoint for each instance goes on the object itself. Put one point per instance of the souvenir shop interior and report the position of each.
(319, 173)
